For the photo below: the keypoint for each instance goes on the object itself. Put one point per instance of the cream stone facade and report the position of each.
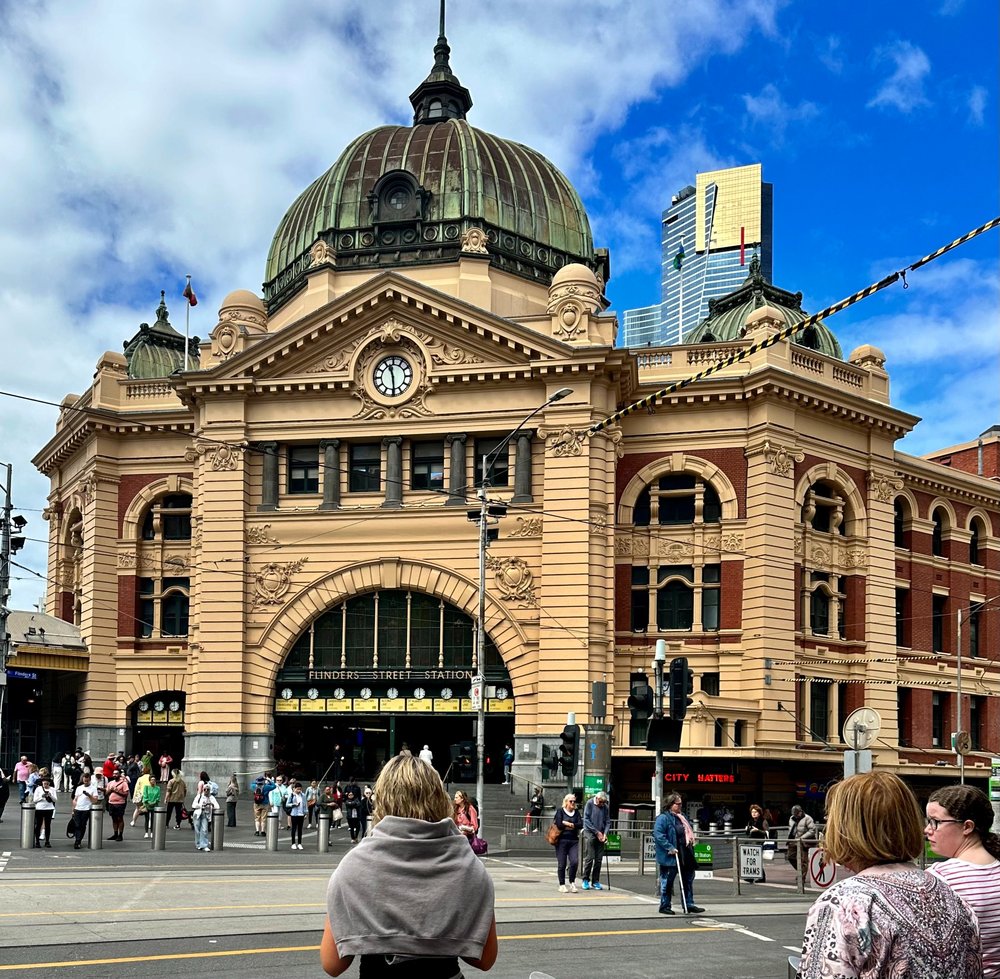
(269, 553)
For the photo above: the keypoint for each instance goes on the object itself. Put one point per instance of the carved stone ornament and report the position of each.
(222, 457)
(731, 542)
(675, 551)
(585, 296)
(781, 458)
(797, 547)
(568, 325)
(623, 545)
(322, 254)
(820, 557)
(259, 535)
(614, 434)
(513, 580)
(126, 560)
(598, 523)
(640, 546)
(225, 340)
(414, 406)
(87, 489)
(564, 443)
(856, 557)
(474, 242)
(884, 486)
(272, 582)
(527, 527)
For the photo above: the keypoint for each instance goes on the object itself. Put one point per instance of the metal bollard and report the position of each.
(324, 830)
(27, 825)
(272, 831)
(218, 830)
(96, 829)
(159, 827)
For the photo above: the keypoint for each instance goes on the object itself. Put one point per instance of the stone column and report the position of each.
(456, 474)
(331, 474)
(269, 480)
(393, 472)
(522, 468)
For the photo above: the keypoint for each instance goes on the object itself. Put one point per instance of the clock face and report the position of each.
(158, 706)
(392, 693)
(286, 694)
(502, 693)
(419, 693)
(366, 693)
(392, 376)
(446, 693)
(175, 705)
(312, 693)
(340, 693)
(143, 705)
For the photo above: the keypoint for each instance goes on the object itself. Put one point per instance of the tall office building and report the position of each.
(714, 227)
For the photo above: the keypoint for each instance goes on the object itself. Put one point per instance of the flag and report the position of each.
(679, 257)
(189, 294)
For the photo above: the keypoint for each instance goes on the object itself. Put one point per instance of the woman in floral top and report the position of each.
(891, 918)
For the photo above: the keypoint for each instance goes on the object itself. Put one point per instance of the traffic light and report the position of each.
(681, 685)
(569, 749)
(640, 700)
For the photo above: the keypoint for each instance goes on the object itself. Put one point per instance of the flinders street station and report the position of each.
(262, 542)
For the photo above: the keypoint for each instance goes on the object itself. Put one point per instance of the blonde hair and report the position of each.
(873, 818)
(410, 788)
(567, 797)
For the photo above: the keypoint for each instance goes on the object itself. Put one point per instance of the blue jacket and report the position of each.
(667, 830)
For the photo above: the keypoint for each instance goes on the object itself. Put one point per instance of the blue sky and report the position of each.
(143, 142)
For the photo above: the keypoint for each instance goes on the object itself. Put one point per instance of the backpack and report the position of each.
(213, 788)
(259, 795)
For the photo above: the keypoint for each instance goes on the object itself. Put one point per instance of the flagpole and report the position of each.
(187, 324)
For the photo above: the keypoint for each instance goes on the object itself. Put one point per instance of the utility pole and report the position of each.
(8, 544)
(658, 660)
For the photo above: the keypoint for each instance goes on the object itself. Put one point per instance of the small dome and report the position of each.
(727, 315)
(158, 350)
(243, 298)
(575, 272)
(867, 356)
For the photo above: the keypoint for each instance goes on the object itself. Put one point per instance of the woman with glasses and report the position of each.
(570, 824)
(959, 819)
(891, 918)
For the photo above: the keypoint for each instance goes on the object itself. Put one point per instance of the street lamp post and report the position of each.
(658, 660)
(484, 513)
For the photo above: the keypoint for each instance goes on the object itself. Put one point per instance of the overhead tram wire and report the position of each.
(650, 400)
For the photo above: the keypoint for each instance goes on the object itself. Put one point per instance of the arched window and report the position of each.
(823, 509)
(974, 541)
(824, 606)
(937, 534)
(164, 601)
(675, 500)
(169, 518)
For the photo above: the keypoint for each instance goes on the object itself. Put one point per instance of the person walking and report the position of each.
(352, 810)
(891, 918)
(465, 815)
(959, 820)
(232, 798)
(140, 784)
(296, 806)
(203, 812)
(535, 806)
(453, 920)
(508, 763)
(674, 840)
(596, 822)
(44, 798)
(801, 832)
(21, 772)
(151, 795)
(175, 795)
(262, 788)
(118, 793)
(85, 797)
(758, 828)
(570, 824)
(427, 755)
(132, 772)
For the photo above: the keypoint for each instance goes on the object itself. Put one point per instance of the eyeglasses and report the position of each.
(935, 824)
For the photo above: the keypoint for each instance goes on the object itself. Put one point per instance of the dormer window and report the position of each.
(435, 109)
(397, 198)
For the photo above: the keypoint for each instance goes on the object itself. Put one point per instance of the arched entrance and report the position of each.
(158, 724)
(381, 669)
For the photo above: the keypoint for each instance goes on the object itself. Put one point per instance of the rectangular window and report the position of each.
(819, 612)
(903, 617)
(391, 630)
(939, 610)
(904, 708)
(977, 712)
(303, 469)
(425, 631)
(360, 638)
(145, 612)
(739, 734)
(710, 684)
(720, 733)
(819, 709)
(366, 468)
(674, 598)
(427, 466)
(937, 720)
(499, 468)
(974, 630)
(711, 596)
(640, 599)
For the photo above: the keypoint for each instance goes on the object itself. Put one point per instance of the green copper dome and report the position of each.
(403, 195)
(158, 350)
(728, 314)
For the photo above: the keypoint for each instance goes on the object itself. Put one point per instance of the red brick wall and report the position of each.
(731, 612)
(623, 597)
(855, 588)
(127, 625)
(65, 606)
(967, 460)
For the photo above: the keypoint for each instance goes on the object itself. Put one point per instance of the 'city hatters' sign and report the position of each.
(390, 675)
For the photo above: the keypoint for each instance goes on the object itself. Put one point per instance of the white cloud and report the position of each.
(769, 110)
(830, 53)
(904, 88)
(977, 104)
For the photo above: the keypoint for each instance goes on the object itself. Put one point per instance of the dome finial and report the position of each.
(440, 95)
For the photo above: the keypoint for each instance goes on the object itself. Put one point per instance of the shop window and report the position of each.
(366, 468)
(939, 615)
(974, 541)
(711, 684)
(427, 466)
(498, 473)
(303, 469)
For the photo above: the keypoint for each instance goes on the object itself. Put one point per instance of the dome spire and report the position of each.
(440, 95)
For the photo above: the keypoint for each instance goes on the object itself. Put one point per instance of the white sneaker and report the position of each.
(562, 889)
(572, 889)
